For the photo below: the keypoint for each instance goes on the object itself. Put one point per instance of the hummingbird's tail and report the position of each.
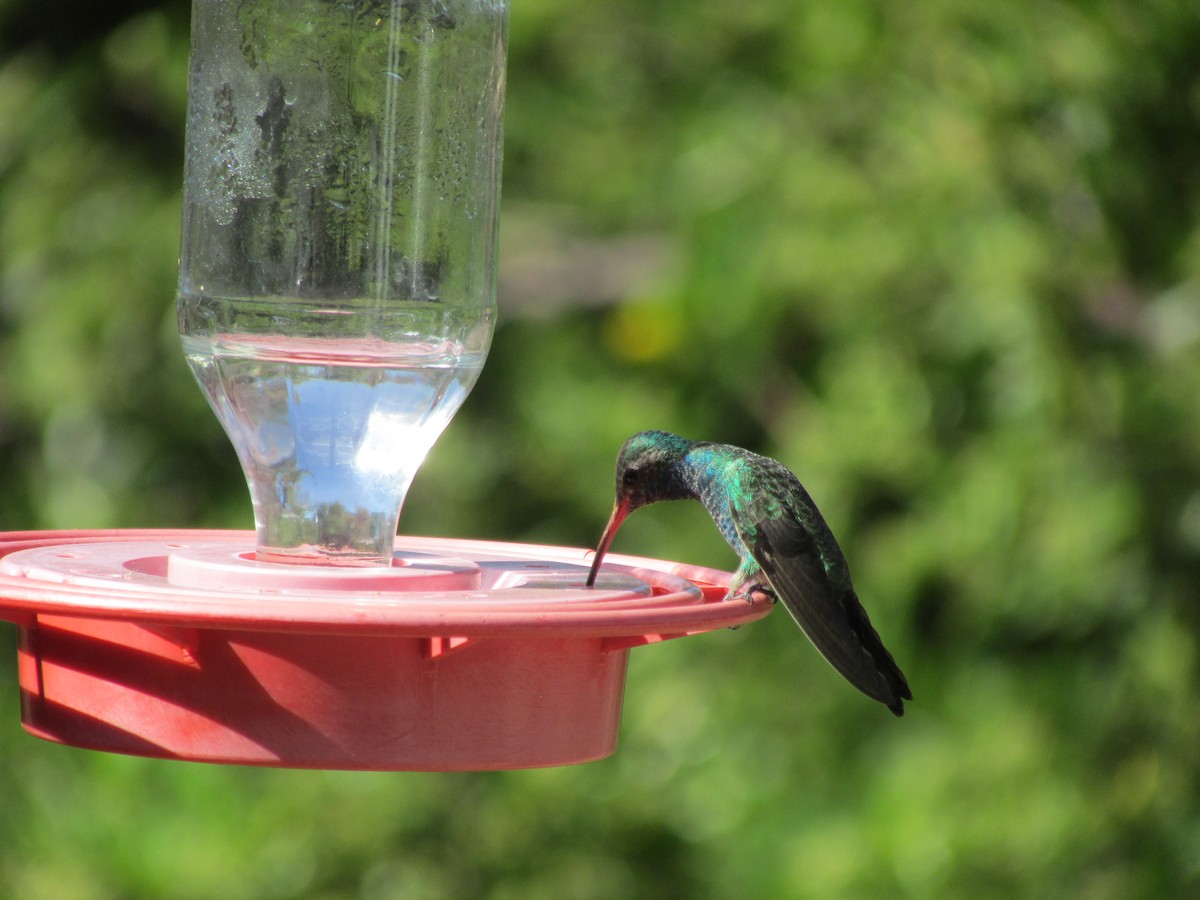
(881, 678)
(839, 628)
(800, 560)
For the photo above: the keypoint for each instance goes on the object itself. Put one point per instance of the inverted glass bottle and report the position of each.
(337, 274)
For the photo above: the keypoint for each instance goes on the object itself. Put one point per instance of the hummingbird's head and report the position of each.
(648, 470)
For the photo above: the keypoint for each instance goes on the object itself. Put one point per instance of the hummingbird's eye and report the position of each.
(629, 479)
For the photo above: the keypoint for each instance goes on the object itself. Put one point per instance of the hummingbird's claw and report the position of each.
(748, 594)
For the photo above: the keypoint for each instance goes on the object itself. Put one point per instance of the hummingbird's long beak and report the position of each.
(620, 511)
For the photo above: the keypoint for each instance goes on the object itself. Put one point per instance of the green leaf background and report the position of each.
(942, 258)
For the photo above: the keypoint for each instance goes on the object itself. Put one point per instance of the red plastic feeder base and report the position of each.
(464, 655)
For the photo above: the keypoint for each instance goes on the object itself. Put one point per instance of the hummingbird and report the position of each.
(785, 548)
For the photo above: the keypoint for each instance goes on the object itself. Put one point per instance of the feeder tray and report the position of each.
(463, 655)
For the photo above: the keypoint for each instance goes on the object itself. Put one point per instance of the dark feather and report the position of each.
(813, 582)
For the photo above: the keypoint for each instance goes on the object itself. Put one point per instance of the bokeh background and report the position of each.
(940, 257)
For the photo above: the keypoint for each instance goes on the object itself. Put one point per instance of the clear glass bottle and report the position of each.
(337, 274)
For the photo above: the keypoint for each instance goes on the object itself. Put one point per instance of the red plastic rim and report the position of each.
(524, 590)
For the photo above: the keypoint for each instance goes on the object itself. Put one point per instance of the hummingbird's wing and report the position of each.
(824, 605)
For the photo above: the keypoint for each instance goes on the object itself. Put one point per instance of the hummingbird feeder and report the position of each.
(336, 304)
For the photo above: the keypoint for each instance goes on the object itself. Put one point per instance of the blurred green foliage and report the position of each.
(941, 257)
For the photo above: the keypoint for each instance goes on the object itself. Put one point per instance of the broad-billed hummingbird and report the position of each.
(786, 549)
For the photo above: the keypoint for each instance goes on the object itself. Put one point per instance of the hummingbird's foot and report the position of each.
(747, 592)
(750, 591)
